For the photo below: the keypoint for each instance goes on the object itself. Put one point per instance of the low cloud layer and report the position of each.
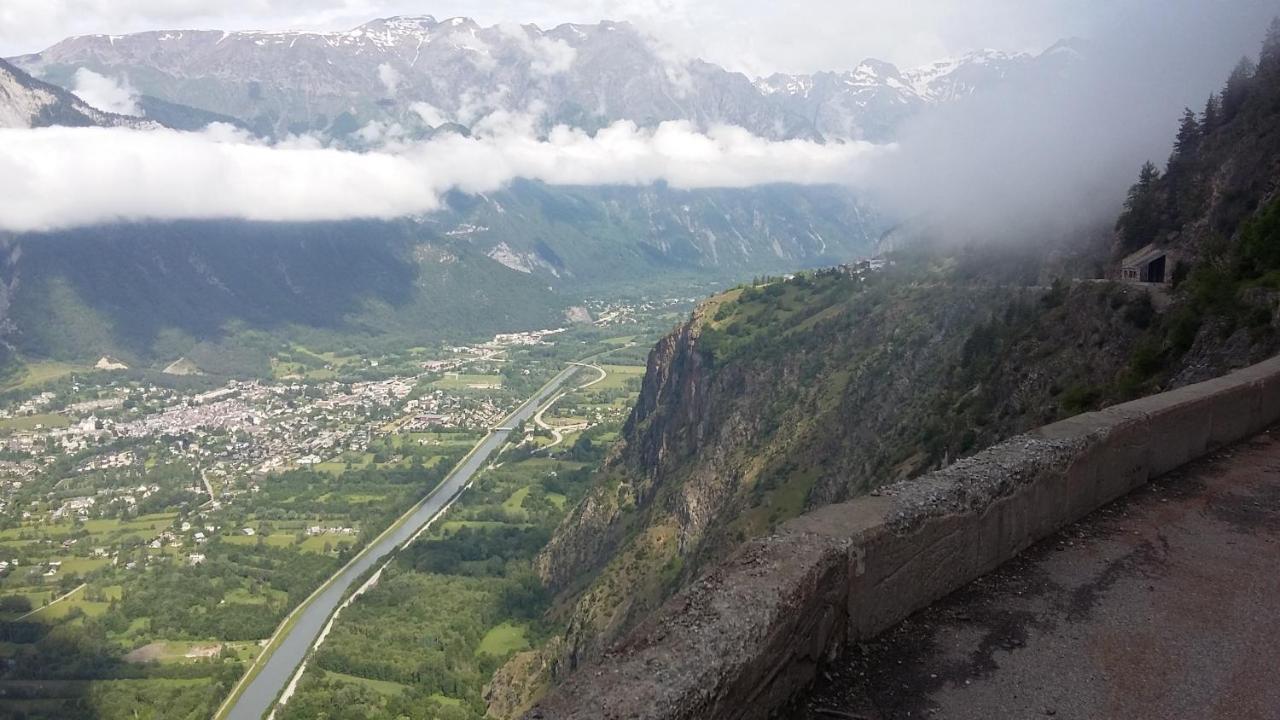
(390, 79)
(547, 56)
(56, 178)
(104, 93)
(1046, 157)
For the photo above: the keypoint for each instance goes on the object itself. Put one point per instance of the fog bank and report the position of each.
(1038, 158)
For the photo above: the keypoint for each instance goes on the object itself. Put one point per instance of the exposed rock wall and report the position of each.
(846, 385)
(753, 630)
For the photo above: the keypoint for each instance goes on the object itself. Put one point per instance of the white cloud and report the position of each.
(552, 57)
(104, 93)
(547, 56)
(431, 115)
(376, 134)
(475, 105)
(60, 177)
(390, 78)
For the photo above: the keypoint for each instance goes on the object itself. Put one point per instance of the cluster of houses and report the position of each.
(75, 507)
(31, 406)
(862, 268)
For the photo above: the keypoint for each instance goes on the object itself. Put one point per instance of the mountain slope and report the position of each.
(777, 399)
(578, 237)
(26, 102)
(1215, 209)
(153, 291)
(874, 98)
(417, 71)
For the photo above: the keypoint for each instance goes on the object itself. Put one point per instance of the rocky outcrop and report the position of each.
(874, 385)
(752, 631)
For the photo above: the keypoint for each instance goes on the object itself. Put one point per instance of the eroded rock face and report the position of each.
(738, 642)
(723, 447)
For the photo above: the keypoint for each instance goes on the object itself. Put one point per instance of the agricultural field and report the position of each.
(456, 381)
(35, 374)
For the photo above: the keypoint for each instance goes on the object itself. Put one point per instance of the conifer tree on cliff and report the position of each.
(1269, 60)
(1212, 117)
(1141, 217)
(1189, 133)
(1237, 90)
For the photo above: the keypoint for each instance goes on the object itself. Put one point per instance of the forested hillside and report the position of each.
(1215, 206)
(231, 291)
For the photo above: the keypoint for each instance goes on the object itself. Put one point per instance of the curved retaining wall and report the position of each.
(751, 632)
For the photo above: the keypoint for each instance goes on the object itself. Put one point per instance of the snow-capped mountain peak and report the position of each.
(423, 73)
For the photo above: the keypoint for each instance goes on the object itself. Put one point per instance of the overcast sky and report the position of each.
(1013, 161)
(754, 36)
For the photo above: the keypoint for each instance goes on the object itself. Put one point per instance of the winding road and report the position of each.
(257, 691)
(557, 435)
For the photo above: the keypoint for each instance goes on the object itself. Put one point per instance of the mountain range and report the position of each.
(425, 73)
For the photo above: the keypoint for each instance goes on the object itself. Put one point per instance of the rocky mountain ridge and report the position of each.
(426, 73)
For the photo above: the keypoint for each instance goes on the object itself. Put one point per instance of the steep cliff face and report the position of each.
(773, 400)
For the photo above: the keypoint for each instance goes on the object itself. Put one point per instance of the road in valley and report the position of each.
(258, 693)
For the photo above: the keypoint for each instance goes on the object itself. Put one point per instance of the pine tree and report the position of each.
(1139, 222)
(1212, 117)
(1237, 90)
(1189, 133)
(1269, 60)
(1148, 176)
